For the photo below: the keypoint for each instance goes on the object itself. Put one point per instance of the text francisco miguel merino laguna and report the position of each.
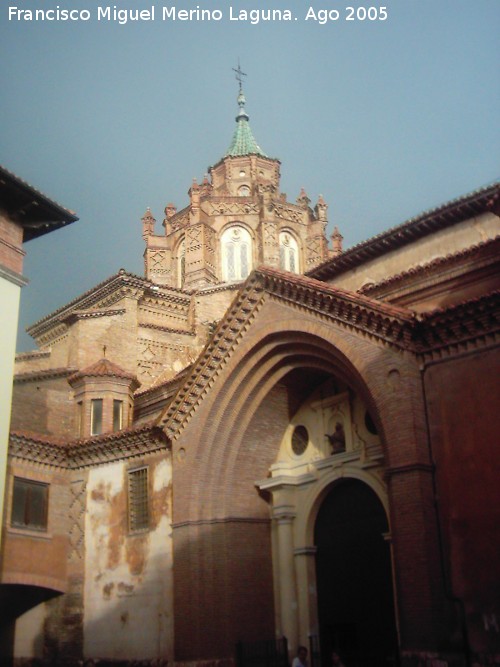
(164, 13)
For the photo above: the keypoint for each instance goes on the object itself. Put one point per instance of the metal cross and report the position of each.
(239, 74)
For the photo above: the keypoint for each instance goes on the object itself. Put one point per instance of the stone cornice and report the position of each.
(77, 454)
(480, 201)
(12, 276)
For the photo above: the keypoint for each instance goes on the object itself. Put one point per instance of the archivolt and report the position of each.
(257, 369)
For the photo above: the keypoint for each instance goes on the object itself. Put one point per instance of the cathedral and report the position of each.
(267, 440)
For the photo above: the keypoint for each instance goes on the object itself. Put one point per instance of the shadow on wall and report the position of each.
(130, 625)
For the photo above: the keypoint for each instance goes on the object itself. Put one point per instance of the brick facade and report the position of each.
(216, 376)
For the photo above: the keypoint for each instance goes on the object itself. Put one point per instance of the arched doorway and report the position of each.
(354, 581)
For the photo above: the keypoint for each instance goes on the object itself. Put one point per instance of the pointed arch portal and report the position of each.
(354, 580)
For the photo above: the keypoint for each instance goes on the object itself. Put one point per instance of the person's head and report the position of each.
(302, 653)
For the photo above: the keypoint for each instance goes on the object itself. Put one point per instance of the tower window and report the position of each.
(96, 416)
(236, 245)
(117, 415)
(138, 500)
(29, 504)
(289, 253)
(181, 263)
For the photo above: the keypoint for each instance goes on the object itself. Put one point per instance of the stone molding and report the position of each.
(12, 276)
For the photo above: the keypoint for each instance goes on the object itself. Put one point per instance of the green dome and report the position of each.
(243, 142)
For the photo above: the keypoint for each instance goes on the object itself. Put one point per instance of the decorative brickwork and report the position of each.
(76, 517)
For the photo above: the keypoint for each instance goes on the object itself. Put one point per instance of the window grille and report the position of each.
(138, 499)
(29, 504)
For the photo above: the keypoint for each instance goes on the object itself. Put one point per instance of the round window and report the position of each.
(300, 440)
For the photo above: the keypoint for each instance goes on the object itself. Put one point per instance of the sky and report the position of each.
(384, 118)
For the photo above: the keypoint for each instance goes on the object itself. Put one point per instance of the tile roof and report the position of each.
(479, 201)
(103, 368)
(100, 449)
(243, 142)
(491, 245)
(30, 208)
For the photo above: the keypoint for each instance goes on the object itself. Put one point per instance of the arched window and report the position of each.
(181, 263)
(289, 253)
(236, 247)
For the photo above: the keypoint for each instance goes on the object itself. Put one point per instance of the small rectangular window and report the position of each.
(96, 416)
(117, 415)
(29, 504)
(138, 499)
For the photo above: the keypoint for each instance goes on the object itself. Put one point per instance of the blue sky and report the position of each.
(383, 118)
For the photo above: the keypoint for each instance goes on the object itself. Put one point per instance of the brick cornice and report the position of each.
(89, 314)
(76, 454)
(463, 327)
(48, 374)
(103, 296)
(438, 333)
(389, 324)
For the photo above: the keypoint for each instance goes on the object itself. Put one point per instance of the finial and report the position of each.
(337, 239)
(239, 74)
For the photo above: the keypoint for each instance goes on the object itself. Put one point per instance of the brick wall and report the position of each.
(11, 240)
(463, 398)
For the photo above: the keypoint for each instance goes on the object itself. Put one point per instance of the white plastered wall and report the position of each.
(9, 307)
(128, 604)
